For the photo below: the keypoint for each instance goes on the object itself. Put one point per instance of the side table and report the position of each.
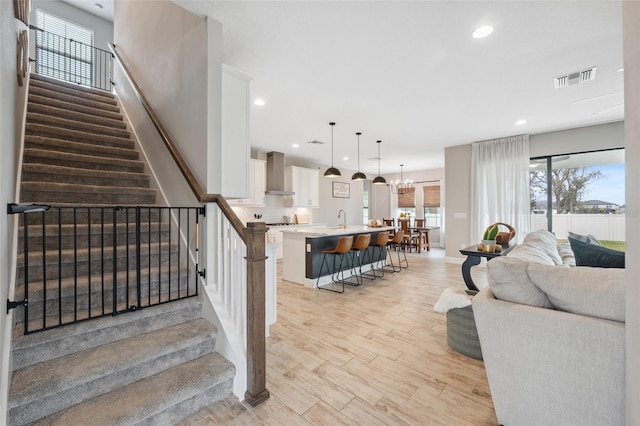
(473, 258)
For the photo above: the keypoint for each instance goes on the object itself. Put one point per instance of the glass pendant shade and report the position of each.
(358, 175)
(379, 180)
(332, 172)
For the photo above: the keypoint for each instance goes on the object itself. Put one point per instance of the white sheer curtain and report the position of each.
(500, 185)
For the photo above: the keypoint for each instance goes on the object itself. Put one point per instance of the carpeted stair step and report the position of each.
(162, 399)
(81, 235)
(69, 262)
(49, 131)
(54, 111)
(67, 123)
(66, 213)
(86, 194)
(49, 344)
(70, 106)
(76, 98)
(41, 80)
(61, 145)
(43, 156)
(68, 299)
(49, 387)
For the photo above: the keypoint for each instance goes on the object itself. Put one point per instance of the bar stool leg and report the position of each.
(333, 281)
(371, 275)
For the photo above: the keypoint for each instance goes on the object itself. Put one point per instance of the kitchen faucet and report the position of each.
(344, 223)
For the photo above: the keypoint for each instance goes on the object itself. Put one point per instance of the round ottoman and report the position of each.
(461, 332)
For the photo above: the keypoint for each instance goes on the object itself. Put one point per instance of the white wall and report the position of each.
(12, 103)
(631, 37)
(165, 48)
(102, 29)
(458, 172)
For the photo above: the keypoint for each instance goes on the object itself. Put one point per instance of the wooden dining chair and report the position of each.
(409, 239)
(422, 237)
(390, 222)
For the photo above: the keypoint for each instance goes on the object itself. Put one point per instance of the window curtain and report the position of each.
(407, 198)
(500, 185)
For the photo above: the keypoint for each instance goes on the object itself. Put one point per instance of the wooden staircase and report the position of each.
(154, 365)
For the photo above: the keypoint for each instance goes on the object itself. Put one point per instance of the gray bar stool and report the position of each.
(341, 249)
(359, 250)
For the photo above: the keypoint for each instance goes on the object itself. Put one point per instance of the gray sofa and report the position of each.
(552, 337)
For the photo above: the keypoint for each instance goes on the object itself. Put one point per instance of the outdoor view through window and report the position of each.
(580, 193)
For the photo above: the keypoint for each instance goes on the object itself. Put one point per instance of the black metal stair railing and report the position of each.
(81, 263)
(73, 61)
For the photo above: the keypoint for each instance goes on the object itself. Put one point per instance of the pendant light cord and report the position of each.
(332, 124)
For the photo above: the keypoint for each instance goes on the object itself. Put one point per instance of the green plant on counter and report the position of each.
(490, 233)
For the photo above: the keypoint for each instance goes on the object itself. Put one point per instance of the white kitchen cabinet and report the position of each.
(306, 185)
(257, 185)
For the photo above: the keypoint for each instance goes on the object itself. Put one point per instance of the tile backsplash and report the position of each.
(274, 211)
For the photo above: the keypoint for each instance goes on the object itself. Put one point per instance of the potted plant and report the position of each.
(489, 238)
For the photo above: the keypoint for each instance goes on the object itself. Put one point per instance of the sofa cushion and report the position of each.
(509, 281)
(588, 254)
(594, 292)
(565, 252)
(585, 238)
(540, 246)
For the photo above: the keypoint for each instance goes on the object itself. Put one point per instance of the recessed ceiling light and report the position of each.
(621, 69)
(295, 145)
(483, 31)
(259, 102)
(345, 158)
(98, 6)
(521, 122)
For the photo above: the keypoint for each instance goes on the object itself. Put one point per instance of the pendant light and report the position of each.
(332, 172)
(379, 180)
(358, 175)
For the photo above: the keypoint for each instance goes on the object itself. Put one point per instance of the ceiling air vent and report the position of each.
(315, 142)
(574, 78)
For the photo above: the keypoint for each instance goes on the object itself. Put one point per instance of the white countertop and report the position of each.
(334, 230)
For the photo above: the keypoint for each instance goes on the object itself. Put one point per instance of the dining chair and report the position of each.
(409, 238)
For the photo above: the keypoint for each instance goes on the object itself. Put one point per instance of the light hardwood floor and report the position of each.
(376, 354)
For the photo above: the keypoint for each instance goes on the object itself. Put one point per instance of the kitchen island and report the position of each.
(302, 251)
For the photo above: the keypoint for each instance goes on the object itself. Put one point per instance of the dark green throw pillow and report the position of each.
(597, 256)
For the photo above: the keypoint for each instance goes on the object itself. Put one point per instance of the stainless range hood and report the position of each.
(275, 174)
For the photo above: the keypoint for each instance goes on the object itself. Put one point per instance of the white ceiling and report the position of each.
(409, 73)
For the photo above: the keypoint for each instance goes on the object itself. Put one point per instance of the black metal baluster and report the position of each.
(89, 269)
(59, 265)
(126, 242)
(138, 259)
(44, 273)
(102, 257)
(160, 219)
(25, 228)
(149, 260)
(179, 244)
(75, 266)
(115, 265)
(169, 253)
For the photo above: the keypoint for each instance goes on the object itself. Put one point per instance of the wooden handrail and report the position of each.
(193, 183)
(254, 238)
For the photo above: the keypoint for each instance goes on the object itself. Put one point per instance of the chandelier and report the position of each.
(401, 186)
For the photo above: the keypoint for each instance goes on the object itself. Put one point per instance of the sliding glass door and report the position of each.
(581, 193)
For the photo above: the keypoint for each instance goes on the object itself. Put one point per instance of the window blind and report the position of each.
(64, 50)
(407, 198)
(431, 196)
